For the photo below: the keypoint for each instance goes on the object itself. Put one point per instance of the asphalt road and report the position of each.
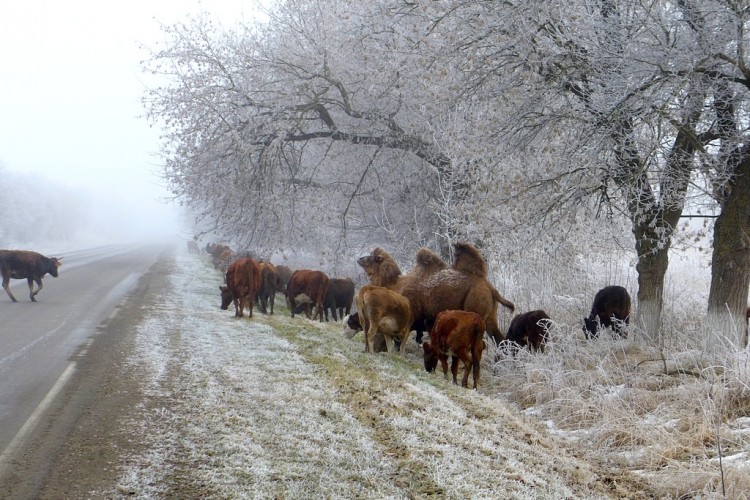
(43, 344)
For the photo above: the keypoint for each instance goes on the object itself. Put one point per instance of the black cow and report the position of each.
(610, 303)
(20, 264)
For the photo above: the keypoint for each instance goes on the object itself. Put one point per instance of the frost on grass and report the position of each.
(274, 407)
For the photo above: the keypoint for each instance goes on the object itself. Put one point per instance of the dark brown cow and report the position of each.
(381, 311)
(25, 264)
(458, 334)
(339, 297)
(307, 287)
(529, 329)
(270, 283)
(286, 274)
(611, 308)
(243, 281)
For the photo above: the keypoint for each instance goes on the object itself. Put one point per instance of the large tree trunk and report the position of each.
(726, 325)
(652, 268)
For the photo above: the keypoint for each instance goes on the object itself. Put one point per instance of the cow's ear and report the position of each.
(57, 261)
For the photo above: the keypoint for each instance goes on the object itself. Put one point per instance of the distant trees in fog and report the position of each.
(36, 210)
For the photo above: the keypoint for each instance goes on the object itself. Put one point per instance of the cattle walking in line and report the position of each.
(25, 264)
(307, 286)
(243, 281)
(611, 308)
(529, 329)
(339, 297)
(381, 312)
(459, 334)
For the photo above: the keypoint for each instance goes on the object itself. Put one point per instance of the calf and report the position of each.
(20, 264)
(286, 274)
(611, 308)
(307, 287)
(459, 334)
(385, 312)
(243, 281)
(339, 297)
(529, 329)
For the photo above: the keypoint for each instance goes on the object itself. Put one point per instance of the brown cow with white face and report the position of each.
(307, 286)
(459, 334)
(243, 281)
(25, 264)
(381, 312)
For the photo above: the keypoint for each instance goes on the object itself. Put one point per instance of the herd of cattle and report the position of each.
(454, 302)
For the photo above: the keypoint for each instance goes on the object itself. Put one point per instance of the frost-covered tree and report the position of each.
(629, 103)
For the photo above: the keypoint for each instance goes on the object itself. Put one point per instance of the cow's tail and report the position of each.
(499, 298)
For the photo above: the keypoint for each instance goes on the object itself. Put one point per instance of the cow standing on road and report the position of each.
(20, 264)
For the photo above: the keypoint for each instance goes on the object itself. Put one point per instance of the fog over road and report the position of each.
(42, 343)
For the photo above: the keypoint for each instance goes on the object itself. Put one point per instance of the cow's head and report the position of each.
(226, 297)
(52, 265)
(430, 357)
(591, 327)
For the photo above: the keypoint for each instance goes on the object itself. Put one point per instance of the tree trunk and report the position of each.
(726, 324)
(652, 268)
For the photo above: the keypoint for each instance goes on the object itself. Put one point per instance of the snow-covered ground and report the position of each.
(275, 407)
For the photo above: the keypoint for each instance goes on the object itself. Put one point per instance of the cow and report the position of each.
(307, 286)
(20, 264)
(286, 274)
(529, 329)
(243, 281)
(611, 308)
(459, 334)
(192, 247)
(270, 283)
(382, 311)
(339, 297)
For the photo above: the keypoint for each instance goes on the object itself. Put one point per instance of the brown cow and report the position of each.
(385, 312)
(339, 297)
(307, 287)
(20, 264)
(530, 329)
(458, 334)
(270, 283)
(611, 308)
(243, 281)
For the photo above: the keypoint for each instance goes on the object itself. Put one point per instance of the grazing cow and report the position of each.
(307, 287)
(610, 303)
(459, 334)
(270, 283)
(192, 247)
(20, 264)
(243, 281)
(339, 297)
(529, 329)
(385, 312)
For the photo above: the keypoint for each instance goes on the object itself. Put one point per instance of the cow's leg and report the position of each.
(271, 299)
(6, 286)
(444, 363)
(466, 360)
(32, 293)
(238, 308)
(388, 343)
(454, 369)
